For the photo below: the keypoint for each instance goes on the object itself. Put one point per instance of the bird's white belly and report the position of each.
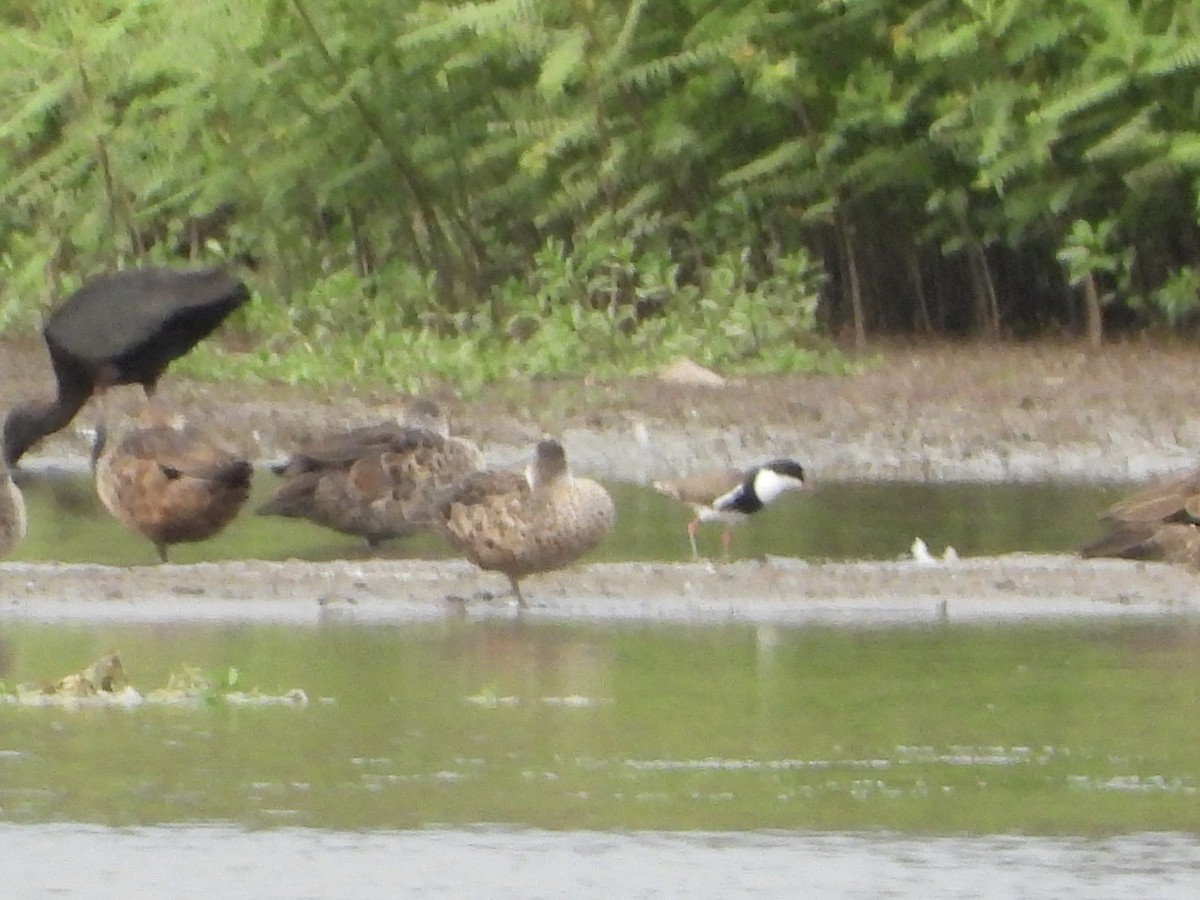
(728, 516)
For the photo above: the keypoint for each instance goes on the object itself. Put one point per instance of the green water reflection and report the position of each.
(1081, 728)
(836, 521)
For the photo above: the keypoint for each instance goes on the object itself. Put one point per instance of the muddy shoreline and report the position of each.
(942, 412)
(772, 591)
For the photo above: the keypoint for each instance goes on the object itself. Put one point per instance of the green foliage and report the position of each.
(1087, 251)
(759, 323)
(599, 310)
(428, 176)
(1179, 296)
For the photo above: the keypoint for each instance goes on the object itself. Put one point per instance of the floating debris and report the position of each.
(919, 553)
(101, 676)
(491, 700)
(104, 683)
(574, 700)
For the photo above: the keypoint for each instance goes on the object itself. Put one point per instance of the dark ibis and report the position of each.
(121, 328)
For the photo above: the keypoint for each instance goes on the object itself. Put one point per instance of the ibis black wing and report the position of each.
(132, 324)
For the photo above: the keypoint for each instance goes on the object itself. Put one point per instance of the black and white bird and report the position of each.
(121, 328)
(732, 496)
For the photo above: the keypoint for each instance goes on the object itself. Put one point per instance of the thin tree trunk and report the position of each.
(364, 254)
(854, 285)
(921, 320)
(987, 307)
(1092, 316)
(102, 159)
(444, 253)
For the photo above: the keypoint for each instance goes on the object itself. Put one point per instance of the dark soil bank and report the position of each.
(943, 412)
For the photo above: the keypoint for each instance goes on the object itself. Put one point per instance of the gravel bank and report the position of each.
(946, 412)
(774, 591)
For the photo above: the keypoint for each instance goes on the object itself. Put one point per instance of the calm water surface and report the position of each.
(1088, 728)
(505, 759)
(508, 759)
(203, 863)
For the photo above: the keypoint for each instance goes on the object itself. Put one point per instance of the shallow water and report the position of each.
(187, 862)
(1090, 728)
(538, 759)
(834, 521)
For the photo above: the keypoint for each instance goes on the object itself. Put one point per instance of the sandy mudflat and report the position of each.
(780, 591)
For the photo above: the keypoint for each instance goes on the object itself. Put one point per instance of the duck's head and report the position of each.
(427, 415)
(549, 462)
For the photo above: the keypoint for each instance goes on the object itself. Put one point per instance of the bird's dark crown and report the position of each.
(550, 453)
(787, 467)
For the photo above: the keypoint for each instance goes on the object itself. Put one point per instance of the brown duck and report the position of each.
(1159, 522)
(524, 523)
(731, 496)
(170, 482)
(377, 482)
(12, 512)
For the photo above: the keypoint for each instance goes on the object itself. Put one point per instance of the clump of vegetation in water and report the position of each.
(104, 683)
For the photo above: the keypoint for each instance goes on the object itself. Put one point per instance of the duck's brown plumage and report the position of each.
(376, 482)
(524, 523)
(171, 483)
(1159, 522)
(12, 512)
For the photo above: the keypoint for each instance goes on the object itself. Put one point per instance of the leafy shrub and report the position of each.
(597, 311)
(1178, 297)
